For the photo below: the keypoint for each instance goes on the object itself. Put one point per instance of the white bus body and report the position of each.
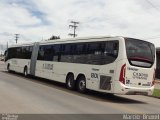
(115, 65)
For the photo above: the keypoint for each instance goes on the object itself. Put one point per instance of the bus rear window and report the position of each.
(140, 53)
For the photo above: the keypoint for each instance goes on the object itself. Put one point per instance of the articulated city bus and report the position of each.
(117, 65)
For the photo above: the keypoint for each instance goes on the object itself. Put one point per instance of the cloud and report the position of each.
(35, 20)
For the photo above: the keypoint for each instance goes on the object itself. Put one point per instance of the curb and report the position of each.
(155, 97)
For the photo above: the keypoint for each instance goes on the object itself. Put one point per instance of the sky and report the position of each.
(37, 20)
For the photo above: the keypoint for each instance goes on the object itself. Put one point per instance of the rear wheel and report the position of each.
(81, 84)
(25, 72)
(70, 82)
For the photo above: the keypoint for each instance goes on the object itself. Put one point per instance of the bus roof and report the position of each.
(66, 40)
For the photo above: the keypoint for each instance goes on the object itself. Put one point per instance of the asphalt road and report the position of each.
(39, 96)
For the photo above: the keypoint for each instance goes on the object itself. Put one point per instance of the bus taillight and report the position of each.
(123, 74)
(154, 75)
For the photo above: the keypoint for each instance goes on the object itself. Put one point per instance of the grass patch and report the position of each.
(156, 93)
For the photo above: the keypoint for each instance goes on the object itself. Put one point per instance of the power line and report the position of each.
(155, 7)
(73, 25)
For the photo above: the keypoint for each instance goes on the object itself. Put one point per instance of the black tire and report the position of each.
(70, 82)
(25, 72)
(81, 84)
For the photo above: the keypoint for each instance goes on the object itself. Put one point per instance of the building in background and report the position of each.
(1, 57)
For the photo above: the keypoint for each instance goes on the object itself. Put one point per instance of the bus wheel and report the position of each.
(81, 84)
(25, 72)
(70, 82)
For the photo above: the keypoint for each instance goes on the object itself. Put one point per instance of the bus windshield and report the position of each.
(140, 53)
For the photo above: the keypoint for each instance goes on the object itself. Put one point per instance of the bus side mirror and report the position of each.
(5, 52)
(5, 56)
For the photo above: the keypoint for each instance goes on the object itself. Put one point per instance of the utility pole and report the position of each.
(1, 50)
(7, 44)
(74, 26)
(16, 37)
